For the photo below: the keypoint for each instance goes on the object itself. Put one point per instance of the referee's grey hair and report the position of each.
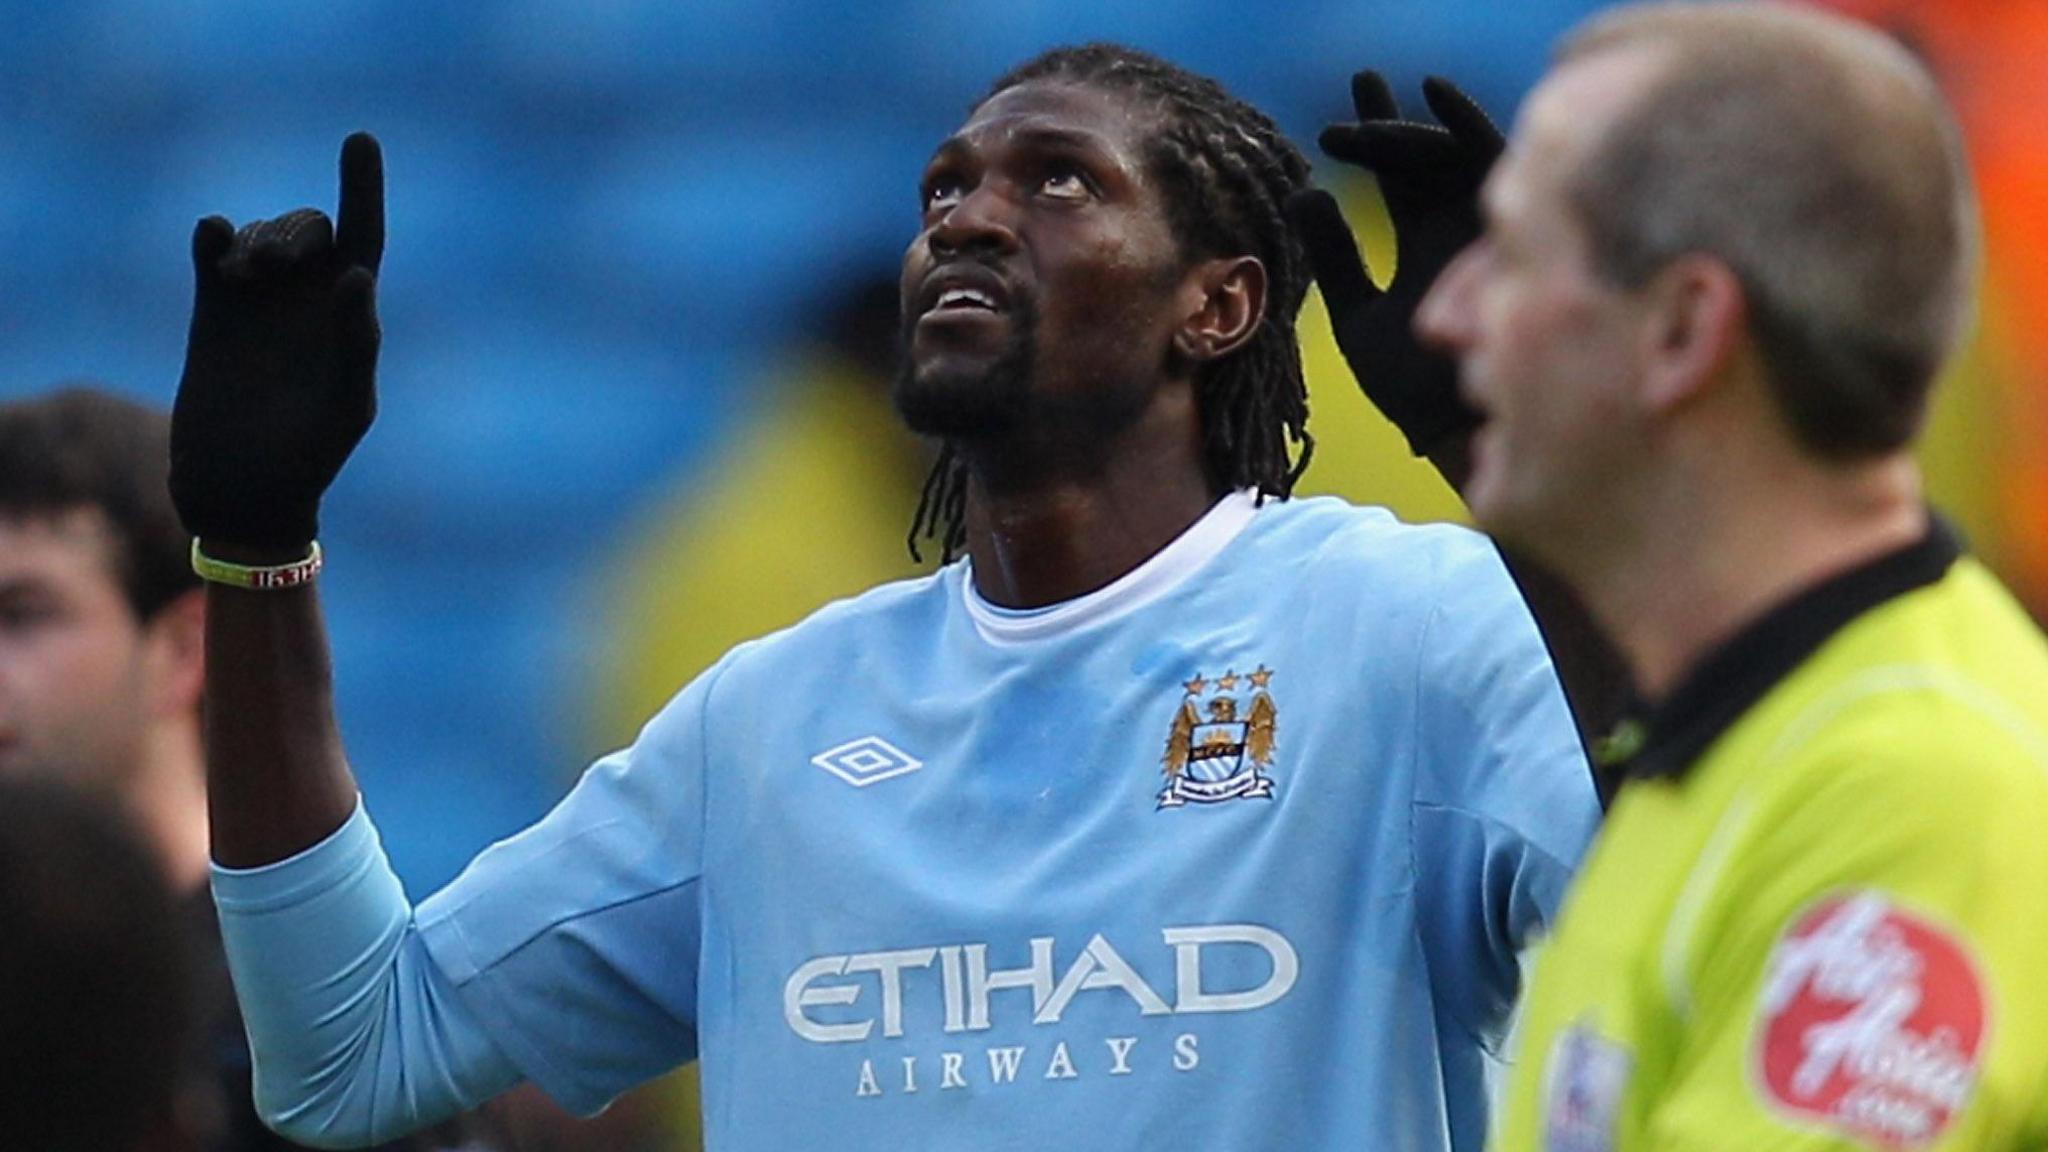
(1816, 159)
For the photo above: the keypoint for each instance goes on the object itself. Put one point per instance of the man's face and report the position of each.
(1547, 349)
(74, 665)
(1042, 286)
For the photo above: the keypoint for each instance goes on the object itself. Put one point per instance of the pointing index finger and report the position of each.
(359, 234)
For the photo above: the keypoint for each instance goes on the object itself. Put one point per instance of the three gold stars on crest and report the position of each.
(1228, 681)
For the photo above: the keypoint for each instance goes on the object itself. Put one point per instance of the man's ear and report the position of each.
(176, 654)
(1225, 302)
(1696, 322)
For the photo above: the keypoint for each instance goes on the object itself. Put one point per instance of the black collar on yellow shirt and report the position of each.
(1666, 739)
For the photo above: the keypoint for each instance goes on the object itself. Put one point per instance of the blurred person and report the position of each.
(101, 668)
(1724, 259)
(101, 643)
(94, 1018)
(1177, 812)
(101, 671)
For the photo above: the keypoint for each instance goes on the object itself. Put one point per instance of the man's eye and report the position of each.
(1066, 184)
(943, 193)
(22, 615)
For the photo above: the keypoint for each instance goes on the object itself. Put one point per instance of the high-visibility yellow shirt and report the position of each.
(1817, 916)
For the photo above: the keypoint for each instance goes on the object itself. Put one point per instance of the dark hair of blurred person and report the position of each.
(93, 1012)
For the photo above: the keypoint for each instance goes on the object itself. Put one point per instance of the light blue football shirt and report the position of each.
(1237, 852)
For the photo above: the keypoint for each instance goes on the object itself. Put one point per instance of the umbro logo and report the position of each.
(867, 760)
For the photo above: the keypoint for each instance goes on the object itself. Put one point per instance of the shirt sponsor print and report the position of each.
(860, 998)
(1872, 1022)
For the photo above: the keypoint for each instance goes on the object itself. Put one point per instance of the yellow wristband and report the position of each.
(268, 578)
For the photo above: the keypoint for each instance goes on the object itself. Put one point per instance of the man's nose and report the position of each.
(982, 222)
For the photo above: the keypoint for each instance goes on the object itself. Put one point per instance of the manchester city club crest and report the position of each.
(1222, 740)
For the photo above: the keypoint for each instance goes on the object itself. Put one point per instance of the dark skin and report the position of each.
(1043, 195)
(276, 780)
(1099, 468)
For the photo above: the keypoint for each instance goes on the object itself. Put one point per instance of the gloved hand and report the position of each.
(1430, 178)
(280, 375)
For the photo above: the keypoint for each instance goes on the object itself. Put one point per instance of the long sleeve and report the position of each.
(356, 1035)
(1504, 806)
(565, 955)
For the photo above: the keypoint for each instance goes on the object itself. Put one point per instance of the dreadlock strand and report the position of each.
(956, 513)
(930, 505)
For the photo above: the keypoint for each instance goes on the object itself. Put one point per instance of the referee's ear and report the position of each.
(1695, 330)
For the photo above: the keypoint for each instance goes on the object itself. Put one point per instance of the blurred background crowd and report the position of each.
(639, 305)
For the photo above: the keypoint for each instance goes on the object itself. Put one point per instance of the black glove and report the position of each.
(281, 366)
(1430, 178)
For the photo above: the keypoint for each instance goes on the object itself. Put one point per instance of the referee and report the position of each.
(1725, 258)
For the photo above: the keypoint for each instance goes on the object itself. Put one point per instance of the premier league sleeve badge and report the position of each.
(1585, 1078)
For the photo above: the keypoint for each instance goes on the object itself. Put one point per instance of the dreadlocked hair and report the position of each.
(942, 510)
(1226, 172)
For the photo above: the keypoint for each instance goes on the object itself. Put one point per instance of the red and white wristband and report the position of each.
(258, 578)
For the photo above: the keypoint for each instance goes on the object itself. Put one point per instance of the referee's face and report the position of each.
(1548, 350)
(1042, 293)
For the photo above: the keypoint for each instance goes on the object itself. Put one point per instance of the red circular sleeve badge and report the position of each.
(1872, 1022)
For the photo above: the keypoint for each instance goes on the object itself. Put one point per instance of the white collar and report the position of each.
(1157, 576)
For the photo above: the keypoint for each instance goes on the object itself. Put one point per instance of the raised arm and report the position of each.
(1429, 176)
(279, 386)
(356, 1035)
(368, 1018)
